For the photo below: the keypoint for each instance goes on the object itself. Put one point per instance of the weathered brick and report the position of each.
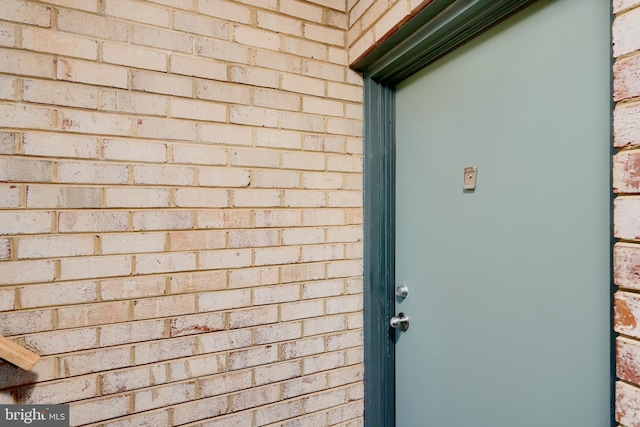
(149, 418)
(253, 317)
(92, 221)
(304, 385)
(134, 150)
(163, 220)
(95, 361)
(59, 93)
(171, 305)
(256, 396)
(325, 400)
(277, 372)
(223, 177)
(54, 246)
(93, 314)
(25, 322)
(91, 72)
(92, 173)
(51, 197)
(132, 287)
(303, 272)
(225, 383)
(626, 125)
(226, 10)
(351, 411)
(198, 67)
(223, 341)
(26, 12)
(278, 332)
(228, 258)
(301, 310)
(277, 412)
(19, 272)
(121, 243)
(7, 299)
(166, 395)
(626, 81)
(99, 409)
(64, 341)
(136, 11)
(208, 408)
(197, 367)
(227, 134)
(9, 197)
(197, 281)
(136, 197)
(164, 350)
(59, 145)
(277, 255)
(133, 102)
(131, 332)
(248, 277)
(162, 83)
(64, 391)
(627, 404)
(92, 267)
(118, 381)
(162, 39)
(276, 294)
(224, 300)
(199, 24)
(197, 324)
(196, 240)
(323, 362)
(42, 40)
(58, 294)
(90, 24)
(274, 22)
(302, 348)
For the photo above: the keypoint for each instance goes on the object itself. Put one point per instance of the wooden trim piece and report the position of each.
(17, 355)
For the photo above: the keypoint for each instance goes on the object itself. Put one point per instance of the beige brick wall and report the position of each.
(181, 211)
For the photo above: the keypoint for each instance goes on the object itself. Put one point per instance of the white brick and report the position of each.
(41, 196)
(625, 33)
(9, 196)
(223, 51)
(132, 287)
(162, 83)
(301, 10)
(39, 39)
(223, 177)
(58, 294)
(278, 138)
(278, 332)
(276, 99)
(198, 67)
(250, 36)
(277, 255)
(163, 396)
(281, 411)
(224, 300)
(92, 25)
(256, 198)
(7, 34)
(164, 349)
(59, 392)
(225, 134)
(135, 150)
(25, 322)
(119, 197)
(90, 267)
(92, 221)
(208, 408)
(7, 299)
(252, 238)
(162, 39)
(97, 410)
(198, 110)
(303, 122)
(168, 262)
(199, 24)
(276, 294)
(95, 361)
(201, 197)
(255, 116)
(93, 314)
(136, 11)
(92, 173)
(132, 332)
(25, 116)
(198, 324)
(133, 378)
(277, 372)
(163, 220)
(228, 258)
(18, 272)
(301, 310)
(26, 63)
(250, 277)
(301, 348)
(225, 10)
(197, 281)
(27, 13)
(275, 22)
(56, 342)
(255, 356)
(170, 175)
(59, 145)
(133, 102)
(91, 72)
(275, 179)
(253, 317)
(54, 246)
(222, 341)
(200, 366)
(59, 93)
(197, 240)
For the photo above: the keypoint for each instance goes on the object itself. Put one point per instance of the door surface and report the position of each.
(508, 284)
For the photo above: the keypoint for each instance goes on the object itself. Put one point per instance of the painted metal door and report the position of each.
(509, 284)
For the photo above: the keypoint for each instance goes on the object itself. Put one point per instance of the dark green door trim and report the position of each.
(436, 30)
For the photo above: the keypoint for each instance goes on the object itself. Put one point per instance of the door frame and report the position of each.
(437, 29)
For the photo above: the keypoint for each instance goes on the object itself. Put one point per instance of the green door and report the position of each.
(508, 284)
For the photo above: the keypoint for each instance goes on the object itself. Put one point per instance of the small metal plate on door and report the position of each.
(469, 181)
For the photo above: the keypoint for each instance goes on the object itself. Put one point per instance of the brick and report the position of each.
(305, 198)
(252, 357)
(92, 73)
(57, 294)
(625, 33)
(345, 234)
(25, 116)
(164, 306)
(134, 150)
(198, 67)
(200, 24)
(11, 375)
(163, 220)
(59, 145)
(322, 180)
(252, 238)
(222, 341)
(92, 173)
(302, 84)
(197, 324)
(25, 222)
(56, 342)
(302, 348)
(224, 300)
(197, 281)
(198, 110)
(251, 36)
(7, 299)
(278, 138)
(323, 34)
(93, 122)
(253, 317)
(87, 5)
(68, 390)
(98, 410)
(197, 240)
(322, 106)
(7, 142)
(226, 134)
(323, 362)
(305, 48)
(304, 385)
(351, 411)
(131, 332)
(95, 361)
(276, 99)
(201, 197)
(93, 314)
(324, 143)
(255, 157)
(345, 198)
(92, 267)
(26, 13)
(164, 396)
(132, 243)
(255, 397)
(197, 367)
(134, 57)
(254, 116)
(344, 340)
(9, 196)
(626, 265)
(352, 374)
(277, 372)
(180, 4)
(41, 196)
(223, 51)
(303, 160)
(54, 246)
(278, 332)
(133, 102)
(627, 356)
(168, 262)
(278, 412)
(626, 83)
(25, 322)
(241, 419)
(8, 88)
(277, 218)
(297, 273)
(344, 268)
(276, 294)
(627, 402)
(161, 39)
(278, 60)
(277, 255)
(249, 277)
(165, 129)
(136, 11)
(42, 40)
(7, 34)
(122, 197)
(162, 83)
(164, 350)
(208, 408)
(90, 24)
(59, 93)
(132, 287)
(301, 310)
(620, 5)
(626, 224)
(303, 122)
(324, 325)
(301, 10)
(225, 383)
(275, 22)
(151, 418)
(19, 272)
(223, 177)
(225, 10)
(626, 125)
(325, 400)
(92, 221)
(256, 198)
